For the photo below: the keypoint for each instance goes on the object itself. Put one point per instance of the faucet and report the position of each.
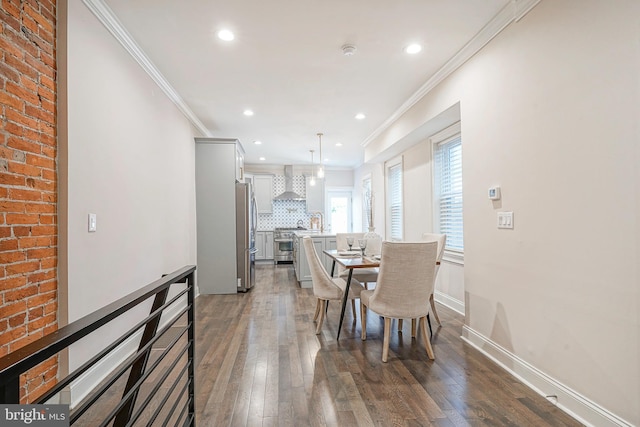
(321, 220)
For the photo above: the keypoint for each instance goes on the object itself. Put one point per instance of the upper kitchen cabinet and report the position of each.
(315, 195)
(263, 190)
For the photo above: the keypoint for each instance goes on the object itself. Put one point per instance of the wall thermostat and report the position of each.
(494, 193)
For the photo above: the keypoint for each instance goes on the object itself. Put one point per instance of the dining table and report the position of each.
(350, 260)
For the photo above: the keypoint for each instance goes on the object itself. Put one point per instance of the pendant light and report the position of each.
(312, 181)
(320, 169)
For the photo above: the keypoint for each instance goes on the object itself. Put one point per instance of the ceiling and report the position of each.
(286, 64)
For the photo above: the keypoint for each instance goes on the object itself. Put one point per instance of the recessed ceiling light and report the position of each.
(412, 49)
(360, 116)
(262, 159)
(226, 35)
(247, 113)
(257, 142)
(339, 144)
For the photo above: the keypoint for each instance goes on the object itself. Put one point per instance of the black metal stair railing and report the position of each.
(128, 410)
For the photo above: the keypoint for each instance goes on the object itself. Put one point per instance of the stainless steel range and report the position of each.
(283, 243)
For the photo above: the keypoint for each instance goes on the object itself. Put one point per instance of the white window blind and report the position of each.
(394, 188)
(448, 183)
(366, 206)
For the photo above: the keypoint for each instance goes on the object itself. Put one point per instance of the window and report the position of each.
(448, 190)
(366, 204)
(394, 200)
(339, 212)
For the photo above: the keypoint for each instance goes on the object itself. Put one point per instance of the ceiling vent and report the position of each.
(288, 194)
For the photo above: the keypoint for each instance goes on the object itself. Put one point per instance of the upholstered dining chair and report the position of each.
(441, 239)
(402, 291)
(362, 275)
(326, 288)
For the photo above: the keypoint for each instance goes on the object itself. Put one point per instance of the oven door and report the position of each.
(283, 249)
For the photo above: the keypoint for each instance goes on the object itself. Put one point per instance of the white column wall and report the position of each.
(128, 156)
(549, 112)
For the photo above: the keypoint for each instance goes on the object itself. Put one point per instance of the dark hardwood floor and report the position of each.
(259, 363)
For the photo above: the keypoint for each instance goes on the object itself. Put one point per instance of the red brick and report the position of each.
(21, 119)
(44, 162)
(13, 129)
(12, 335)
(44, 185)
(37, 16)
(11, 283)
(48, 219)
(9, 73)
(19, 143)
(17, 320)
(21, 231)
(17, 194)
(23, 169)
(21, 218)
(50, 285)
(11, 257)
(49, 152)
(42, 322)
(48, 263)
(41, 299)
(52, 307)
(29, 84)
(11, 101)
(43, 230)
(49, 197)
(41, 253)
(39, 113)
(17, 307)
(36, 313)
(17, 344)
(5, 153)
(8, 245)
(30, 23)
(51, 328)
(39, 208)
(20, 66)
(47, 82)
(46, 93)
(10, 8)
(48, 60)
(48, 106)
(11, 179)
(4, 324)
(23, 267)
(5, 232)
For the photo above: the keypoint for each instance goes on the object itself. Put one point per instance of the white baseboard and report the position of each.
(568, 400)
(84, 384)
(448, 301)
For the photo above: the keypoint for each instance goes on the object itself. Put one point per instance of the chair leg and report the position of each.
(365, 285)
(433, 309)
(321, 319)
(363, 321)
(427, 343)
(353, 309)
(318, 305)
(413, 328)
(385, 342)
(400, 323)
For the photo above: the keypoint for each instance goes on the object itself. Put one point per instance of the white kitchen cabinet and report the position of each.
(315, 195)
(263, 190)
(301, 265)
(264, 245)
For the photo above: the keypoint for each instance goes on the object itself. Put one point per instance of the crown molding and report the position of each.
(106, 16)
(512, 12)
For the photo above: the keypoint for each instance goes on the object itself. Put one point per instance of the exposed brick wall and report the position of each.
(28, 179)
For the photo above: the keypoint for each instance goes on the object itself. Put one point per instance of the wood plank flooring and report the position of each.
(259, 363)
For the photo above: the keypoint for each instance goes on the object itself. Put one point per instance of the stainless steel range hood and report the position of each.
(288, 194)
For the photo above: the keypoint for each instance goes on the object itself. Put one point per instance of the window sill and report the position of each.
(453, 257)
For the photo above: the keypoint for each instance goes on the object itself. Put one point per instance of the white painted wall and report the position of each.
(549, 112)
(126, 154)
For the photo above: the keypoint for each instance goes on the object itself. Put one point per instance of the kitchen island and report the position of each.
(321, 241)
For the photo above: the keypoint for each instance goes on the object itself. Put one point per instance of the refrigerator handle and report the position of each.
(254, 213)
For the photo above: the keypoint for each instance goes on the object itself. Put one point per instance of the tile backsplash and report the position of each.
(286, 213)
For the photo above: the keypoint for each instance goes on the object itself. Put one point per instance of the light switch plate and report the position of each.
(93, 222)
(505, 220)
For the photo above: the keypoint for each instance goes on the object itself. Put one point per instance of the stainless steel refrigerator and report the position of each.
(246, 220)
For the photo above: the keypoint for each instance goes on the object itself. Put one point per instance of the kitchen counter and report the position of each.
(313, 233)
